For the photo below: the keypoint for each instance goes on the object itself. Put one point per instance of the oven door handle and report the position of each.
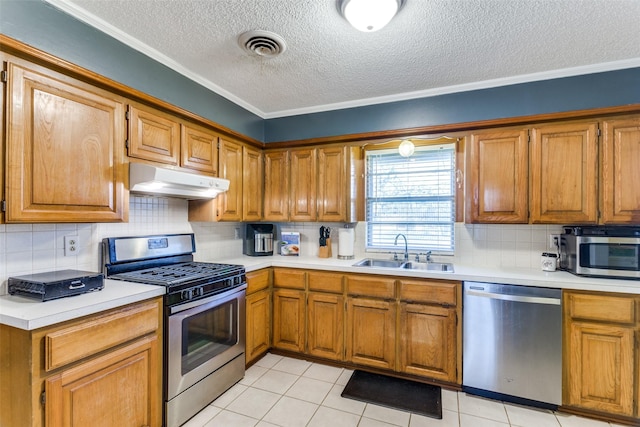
(191, 304)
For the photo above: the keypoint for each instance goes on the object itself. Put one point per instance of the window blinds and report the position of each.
(414, 196)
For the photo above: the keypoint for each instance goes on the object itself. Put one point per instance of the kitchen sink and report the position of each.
(445, 267)
(380, 263)
(408, 265)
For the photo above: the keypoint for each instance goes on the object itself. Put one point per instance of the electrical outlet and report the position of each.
(554, 241)
(71, 245)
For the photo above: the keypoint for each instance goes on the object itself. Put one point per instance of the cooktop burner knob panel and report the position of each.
(186, 294)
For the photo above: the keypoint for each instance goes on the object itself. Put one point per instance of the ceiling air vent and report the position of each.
(262, 43)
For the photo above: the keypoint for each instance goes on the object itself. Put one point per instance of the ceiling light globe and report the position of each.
(406, 148)
(369, 15)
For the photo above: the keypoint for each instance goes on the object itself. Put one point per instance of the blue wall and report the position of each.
(40, 25)
(567, 94)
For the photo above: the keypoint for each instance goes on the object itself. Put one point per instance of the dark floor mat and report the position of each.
(396, 393)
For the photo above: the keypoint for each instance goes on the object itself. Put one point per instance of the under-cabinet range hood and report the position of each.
(156, 181)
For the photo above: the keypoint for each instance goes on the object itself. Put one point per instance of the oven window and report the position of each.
(208, 334)
(612, 256)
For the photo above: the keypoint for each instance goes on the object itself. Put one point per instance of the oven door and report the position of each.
(202, 336)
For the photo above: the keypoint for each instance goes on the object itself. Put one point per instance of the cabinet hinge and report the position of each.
(43, 398)
(126, 144)
(126, 115)
(3, 206)
(598, 132)
(3, 76)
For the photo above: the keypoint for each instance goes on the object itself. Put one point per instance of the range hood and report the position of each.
(156, 181)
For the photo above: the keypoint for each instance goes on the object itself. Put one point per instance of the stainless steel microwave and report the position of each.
(601, 251)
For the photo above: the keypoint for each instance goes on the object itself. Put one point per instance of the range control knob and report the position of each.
(186, 295)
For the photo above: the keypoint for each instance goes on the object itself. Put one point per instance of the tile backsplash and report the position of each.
(34, 248)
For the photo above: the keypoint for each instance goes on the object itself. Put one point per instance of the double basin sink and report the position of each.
(443, 267)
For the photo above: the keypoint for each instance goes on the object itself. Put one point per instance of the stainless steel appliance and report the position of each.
(601, 251)
(204, 322)
(258, 240)
(512, 343)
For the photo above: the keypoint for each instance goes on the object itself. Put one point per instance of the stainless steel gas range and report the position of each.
(204, 322)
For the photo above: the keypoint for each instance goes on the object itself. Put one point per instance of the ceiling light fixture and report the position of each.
(369, 15)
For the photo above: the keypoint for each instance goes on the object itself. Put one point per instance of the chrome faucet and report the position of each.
(406, 250)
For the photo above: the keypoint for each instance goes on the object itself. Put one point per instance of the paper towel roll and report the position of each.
(346, 241)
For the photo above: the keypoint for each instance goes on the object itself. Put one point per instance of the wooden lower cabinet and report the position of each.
(113, 390)
(601, 354)
(100, 370)
(258, 321)
(288, 319)
(428, 344)
(325, 329)
(371, 332)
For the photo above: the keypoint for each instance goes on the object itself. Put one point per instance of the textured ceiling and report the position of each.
(431, 47)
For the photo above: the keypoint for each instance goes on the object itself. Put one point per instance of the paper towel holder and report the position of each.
(346, 249)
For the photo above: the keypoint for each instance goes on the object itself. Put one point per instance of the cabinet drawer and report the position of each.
(288, 278)
(325, 282)
(257, 280)
(607, 308)
(437, 292)
(81, 340)
(373, 286)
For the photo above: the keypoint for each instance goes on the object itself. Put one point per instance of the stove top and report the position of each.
(178, 274)
(167, 260)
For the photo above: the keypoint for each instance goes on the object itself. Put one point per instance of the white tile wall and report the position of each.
(34, 248)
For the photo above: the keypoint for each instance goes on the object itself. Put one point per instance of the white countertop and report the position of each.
(26, 313)
(512, 276)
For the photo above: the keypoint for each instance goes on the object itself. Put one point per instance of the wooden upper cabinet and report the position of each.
(333, 185)
(252, 183)
(620, 171)
(230, 202)
(276, 186)
(303, 185)
(65, 149)
(199, 149)
(563, 173)
(153, 135)
(497, 177)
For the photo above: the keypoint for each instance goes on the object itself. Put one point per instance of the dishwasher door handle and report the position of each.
(516, 298)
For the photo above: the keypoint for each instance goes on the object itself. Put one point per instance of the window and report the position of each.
(414, 196)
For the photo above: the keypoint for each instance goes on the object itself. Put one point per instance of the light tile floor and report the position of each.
(286, 392)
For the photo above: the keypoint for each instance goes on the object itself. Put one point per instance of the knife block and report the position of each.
(325, 251)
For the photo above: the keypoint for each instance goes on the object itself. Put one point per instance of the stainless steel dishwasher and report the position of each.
(512, 343)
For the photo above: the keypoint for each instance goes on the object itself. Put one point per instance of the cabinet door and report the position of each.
(65, 153)
(600, 367)
(288, 320)
(332, 184)
(303, 185)
(428, 341)
(252, 184)
(119, 388)
(371, 332)
(258, 321)
(621, 171)
(563, 174)
(276, 186)
(325, 336)
(199, 149)
(230, 202)
(497, 178)
(153, 135)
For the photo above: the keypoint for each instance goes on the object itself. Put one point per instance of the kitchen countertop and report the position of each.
(29, 314)
(512, 276)
(26, 313)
